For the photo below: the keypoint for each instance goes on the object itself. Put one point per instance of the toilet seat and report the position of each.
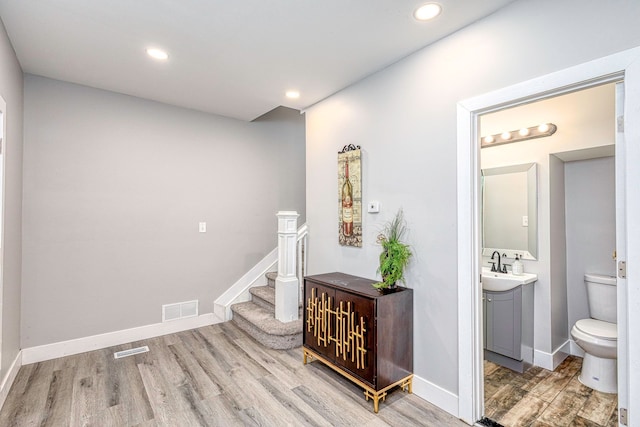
(598, 329)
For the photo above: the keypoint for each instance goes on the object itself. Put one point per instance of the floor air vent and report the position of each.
(131, 352)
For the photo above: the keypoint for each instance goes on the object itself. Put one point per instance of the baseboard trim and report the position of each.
(9, 378)
(435, 394)
(95, 342)
(551, 361)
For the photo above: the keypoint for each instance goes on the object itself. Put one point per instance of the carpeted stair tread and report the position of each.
(263, 319)
(257, 318)
(271, 278)
(261, 324)
(265, 293)
(265, 296)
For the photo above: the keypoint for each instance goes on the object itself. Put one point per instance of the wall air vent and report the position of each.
(131, 352)
(179, 310)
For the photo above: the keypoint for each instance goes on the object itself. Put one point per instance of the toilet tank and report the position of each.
(602, 297)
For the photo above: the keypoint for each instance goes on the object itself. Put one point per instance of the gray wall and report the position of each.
(591, 227)
(114, 188)
(11, 91)
(404, 117)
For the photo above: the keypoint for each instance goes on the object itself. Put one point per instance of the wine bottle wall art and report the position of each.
(350, 197)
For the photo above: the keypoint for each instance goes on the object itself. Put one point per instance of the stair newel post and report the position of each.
(287, 281)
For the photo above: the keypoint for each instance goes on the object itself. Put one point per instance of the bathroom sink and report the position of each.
(494, 281)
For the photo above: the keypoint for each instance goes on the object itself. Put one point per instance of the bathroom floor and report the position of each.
(542, 398)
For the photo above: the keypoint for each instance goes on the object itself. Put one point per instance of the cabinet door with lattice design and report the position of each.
(355, 335)
(319, 319)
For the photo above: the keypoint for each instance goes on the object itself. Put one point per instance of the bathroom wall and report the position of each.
(591, 227)
(578, 129)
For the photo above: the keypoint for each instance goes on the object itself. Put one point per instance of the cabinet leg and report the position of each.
(408, 385)
(376, 399)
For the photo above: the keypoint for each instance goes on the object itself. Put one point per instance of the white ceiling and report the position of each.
(235, 58)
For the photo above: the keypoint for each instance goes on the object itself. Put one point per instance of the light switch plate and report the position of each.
(202, 227)
(373, 206)
(525, 221)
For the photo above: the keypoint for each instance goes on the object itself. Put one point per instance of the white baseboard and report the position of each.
(95, 342)
(551, 361)
(435, 394)
(10, 376)
(239, 291)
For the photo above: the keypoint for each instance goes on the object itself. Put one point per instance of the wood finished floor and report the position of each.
(542, 398)
(211, 376)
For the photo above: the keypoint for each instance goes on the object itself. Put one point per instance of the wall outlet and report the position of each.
(373, 206)
(525, 221)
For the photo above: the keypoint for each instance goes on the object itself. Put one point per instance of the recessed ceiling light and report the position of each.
(292, 94)
(427, 11)
(157, 54)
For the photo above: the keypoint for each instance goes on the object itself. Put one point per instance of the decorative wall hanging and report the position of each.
(350, 196)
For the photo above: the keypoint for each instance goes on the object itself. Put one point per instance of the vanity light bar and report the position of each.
(545, 129)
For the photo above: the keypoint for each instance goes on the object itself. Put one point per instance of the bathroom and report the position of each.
(569, 230)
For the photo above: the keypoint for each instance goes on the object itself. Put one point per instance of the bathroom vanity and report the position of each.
(508, 319)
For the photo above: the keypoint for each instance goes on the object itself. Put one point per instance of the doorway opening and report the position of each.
(624, 66)
(540, 199)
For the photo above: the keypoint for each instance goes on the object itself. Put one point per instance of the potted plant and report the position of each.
(395, 254)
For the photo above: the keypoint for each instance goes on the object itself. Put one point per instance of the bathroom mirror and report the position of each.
(510, 211)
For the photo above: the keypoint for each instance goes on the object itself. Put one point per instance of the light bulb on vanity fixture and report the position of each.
(545, 129)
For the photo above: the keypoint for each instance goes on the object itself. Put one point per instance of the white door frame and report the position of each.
(621, 66)
(621, 236)
(3, 173)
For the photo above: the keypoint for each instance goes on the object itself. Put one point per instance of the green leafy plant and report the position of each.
(395, 254)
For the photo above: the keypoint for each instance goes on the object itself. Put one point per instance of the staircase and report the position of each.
(257, 318)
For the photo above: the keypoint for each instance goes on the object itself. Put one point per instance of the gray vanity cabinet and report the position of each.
(503, 322)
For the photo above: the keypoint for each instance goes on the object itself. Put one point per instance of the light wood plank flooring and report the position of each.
(211, 376)
(541, 398)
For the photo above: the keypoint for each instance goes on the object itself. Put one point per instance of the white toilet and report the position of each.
(598, 336)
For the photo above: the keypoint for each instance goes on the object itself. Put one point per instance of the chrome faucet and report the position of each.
(493, 267)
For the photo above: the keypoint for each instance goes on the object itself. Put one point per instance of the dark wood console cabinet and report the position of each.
(359, 332)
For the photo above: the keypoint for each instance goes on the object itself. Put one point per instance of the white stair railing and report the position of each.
(301, 258)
